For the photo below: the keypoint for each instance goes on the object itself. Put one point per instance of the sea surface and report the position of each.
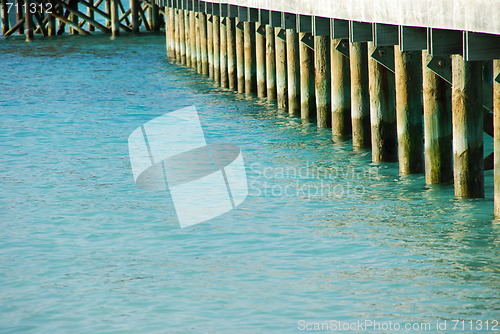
(324, 238)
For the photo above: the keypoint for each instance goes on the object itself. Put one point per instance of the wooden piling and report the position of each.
(20, 16)
(307, 93)
(382, 110)
(249, 50)
(107, 10)
(360, 100)
(408, 71)
(281, 71)
(270, 64)
(192, 39)
(28, 21)
(171, 32)
(240, 57)
(73, 4)
(182, 36)
(467, 118)
(134, 15)
(202, 20)
(197, 42)
(190, 31)
(496, 131)
(154, 12)
(260, 62)
(90, 13)
(5, 17)
(216, 47)
(341, 92)
(322, 80)
(231, 53)
(293, 71)
(177, 36)
(224, 79)
(210, 46)
(438, 149)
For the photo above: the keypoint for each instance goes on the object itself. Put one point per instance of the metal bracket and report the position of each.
(282, 34)
(384, 55)
(308, 40)
(441, 66)
(261, 30)
(343, 47)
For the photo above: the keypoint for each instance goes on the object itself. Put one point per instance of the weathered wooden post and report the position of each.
(154, 13)
(192, 39)
(5, 17)
(240, 56)
(51, 23)
(260, 61)
(360, 99)
(216, 44)
(322, 73)
(177, 36)
(467, 117)
(270, 64)
(28, 20)
(90, 13)
(115, 18)
(134, 15)
(73, 4)
(210, 44)
(293, 69)
(224, 79)
(231, 53)
(496, 131)
(322, 80)
(197, 43)
(408, 70)
(437, 126)
(341, 90)
(182, 36)
(107, 10)
(281, 70)
(250, 65)
(203, 55)
(190, 31)
(382, 109)
(20, 15)
(306, 66)
(307, 92)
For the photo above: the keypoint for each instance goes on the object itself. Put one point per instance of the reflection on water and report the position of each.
(84, 250)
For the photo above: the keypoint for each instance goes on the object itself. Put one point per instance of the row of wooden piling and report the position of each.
(52, 17)
(410, 115)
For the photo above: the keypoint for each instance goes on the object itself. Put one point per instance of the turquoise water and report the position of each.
(323, 235)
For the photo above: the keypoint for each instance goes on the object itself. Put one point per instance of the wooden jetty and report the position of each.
(418, 82)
